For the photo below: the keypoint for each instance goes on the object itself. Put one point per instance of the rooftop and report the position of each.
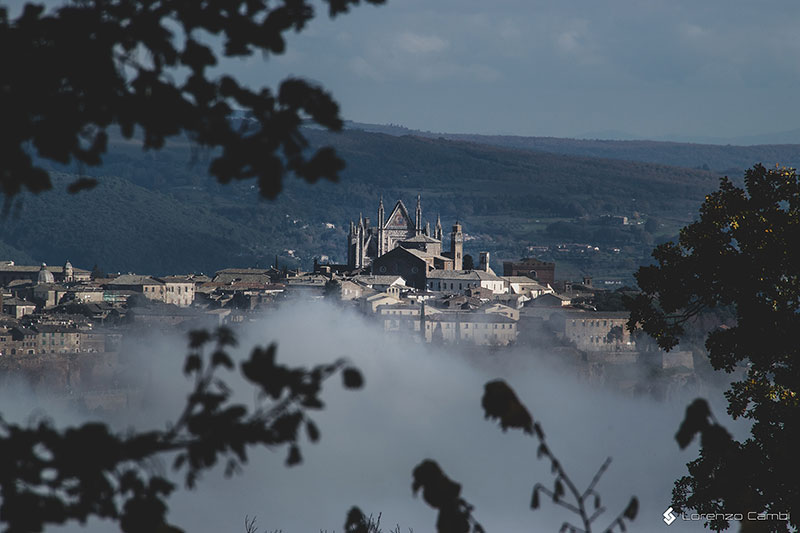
(421, 238)
(135, 279)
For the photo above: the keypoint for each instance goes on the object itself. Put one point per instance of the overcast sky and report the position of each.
(655, 68)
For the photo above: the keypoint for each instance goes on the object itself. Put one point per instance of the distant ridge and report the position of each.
(728, 158)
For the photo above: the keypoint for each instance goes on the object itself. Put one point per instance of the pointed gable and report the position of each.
(399, 219)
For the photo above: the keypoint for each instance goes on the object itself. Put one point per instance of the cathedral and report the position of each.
(365, 243)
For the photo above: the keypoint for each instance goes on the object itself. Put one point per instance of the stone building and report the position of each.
(366, 243)
(56, 338)
(486, 329)
(526, 286)
(17, 307)
(594, 330)
(412, 265)
(67, 274)
(151, 288)
(541, 271)
(175, 290)
(178, 290)
(460, 281)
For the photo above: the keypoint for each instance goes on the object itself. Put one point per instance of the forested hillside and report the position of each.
(161, 213)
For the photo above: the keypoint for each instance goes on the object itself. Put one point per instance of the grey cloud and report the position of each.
(419, 403)
(713, 68)
(649, 68)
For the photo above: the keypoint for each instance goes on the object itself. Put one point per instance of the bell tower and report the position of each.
(457, 246)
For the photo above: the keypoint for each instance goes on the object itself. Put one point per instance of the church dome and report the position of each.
(45, 276)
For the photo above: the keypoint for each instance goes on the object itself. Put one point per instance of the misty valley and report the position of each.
(612, 397)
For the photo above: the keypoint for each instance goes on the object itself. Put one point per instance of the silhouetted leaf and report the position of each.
(696, 420)
(501, 403)
(356, 521)
(225, 337)
(558, 490)
(437, 488)
(312, 431)
(294, 456)
(221, 358)
(193, 364)
(198, 338)
(352, 378)
(632, 509)
(535, 498)
(542, 451)
(441, 493)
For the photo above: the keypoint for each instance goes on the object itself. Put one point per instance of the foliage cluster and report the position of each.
(742, 256)
(87, 66)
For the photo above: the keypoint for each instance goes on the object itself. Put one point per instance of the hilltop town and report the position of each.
(61, 324)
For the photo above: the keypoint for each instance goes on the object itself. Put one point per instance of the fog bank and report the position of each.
(419, 402)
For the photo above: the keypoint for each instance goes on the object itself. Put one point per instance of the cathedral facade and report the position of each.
(365, 242)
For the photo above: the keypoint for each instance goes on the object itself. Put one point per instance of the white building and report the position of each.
(458, 281)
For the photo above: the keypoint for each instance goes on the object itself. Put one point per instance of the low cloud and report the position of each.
(413, 43)
(419, 402)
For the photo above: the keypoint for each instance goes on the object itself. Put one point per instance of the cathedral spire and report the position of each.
(438, 231)
(418, 225)
(381, 223)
